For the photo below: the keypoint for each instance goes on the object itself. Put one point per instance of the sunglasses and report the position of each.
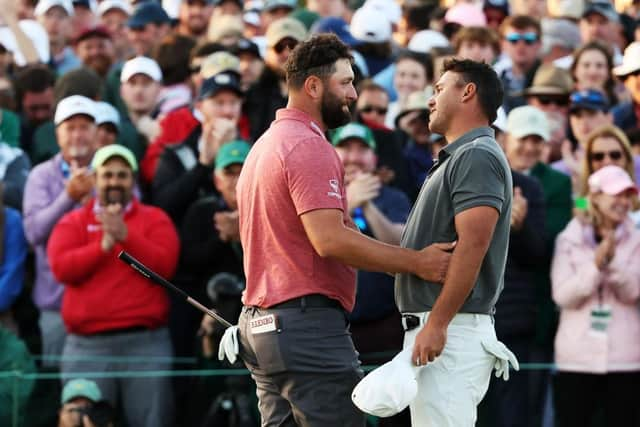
(559, 101)
(284, 44)
(529, 38)
(371, 108)
(599, 156)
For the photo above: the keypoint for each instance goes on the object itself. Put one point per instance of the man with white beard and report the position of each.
(54, 188)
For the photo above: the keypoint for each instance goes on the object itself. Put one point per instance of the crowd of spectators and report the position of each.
(124, 125)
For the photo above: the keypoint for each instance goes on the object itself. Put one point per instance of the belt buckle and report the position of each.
(410, 322)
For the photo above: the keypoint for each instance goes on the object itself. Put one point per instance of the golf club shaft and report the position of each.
(159, 280)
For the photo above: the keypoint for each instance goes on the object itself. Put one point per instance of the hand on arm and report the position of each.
(331, 238)
(475, 229)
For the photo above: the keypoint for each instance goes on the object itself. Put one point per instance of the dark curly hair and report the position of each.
(315, 57)
(488, 85)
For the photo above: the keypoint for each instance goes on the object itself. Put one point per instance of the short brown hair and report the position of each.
(520, 22)
(315, 57)
(481, 35)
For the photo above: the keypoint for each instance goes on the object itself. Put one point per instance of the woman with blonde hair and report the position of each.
(595, 276)
(607, 145)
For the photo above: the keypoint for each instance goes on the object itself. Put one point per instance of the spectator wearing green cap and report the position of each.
(77, 397)
(108, 308)
(211, 253)
(380, 212)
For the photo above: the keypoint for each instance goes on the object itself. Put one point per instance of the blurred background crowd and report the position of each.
(124, 125)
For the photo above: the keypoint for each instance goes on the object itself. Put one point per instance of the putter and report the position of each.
(159, 280)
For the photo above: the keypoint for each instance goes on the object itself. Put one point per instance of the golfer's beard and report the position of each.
(333, 112)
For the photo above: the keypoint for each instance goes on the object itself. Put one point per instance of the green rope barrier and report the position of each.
(117, 359)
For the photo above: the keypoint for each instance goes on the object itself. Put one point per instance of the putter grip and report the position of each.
(149, 274)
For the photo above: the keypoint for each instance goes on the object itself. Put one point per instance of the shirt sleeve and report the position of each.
(315, 177)
(477, 178)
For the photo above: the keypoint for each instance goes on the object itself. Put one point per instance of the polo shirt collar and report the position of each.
(301, 116)
(473, 134)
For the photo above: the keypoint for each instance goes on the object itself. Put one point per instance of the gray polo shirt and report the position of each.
(471, 171)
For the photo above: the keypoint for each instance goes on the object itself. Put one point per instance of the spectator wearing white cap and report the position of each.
(54, 188)
(108, 123)
(626, 116)
(141, 83)
(373, 29)
(113, 15)
(55, 17)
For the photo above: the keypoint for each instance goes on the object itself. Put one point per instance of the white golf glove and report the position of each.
(229, 346)
(503, 356)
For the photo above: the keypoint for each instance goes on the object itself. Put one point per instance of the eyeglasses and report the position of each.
(599, 156)
(560, 101)
(529, 38)
(373, 109)
(283, 44)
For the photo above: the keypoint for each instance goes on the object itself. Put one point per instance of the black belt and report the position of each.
(309, 301)
(409, 322)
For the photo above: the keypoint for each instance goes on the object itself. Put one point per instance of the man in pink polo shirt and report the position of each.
(300, 249)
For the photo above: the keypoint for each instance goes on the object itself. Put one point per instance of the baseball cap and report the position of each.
(425, 40)
(416, 101)
(106, 113)
(589, 99)
(225, 26)
(141, 65)
(467, 15)
(43, 6)
(550, 80)
(72, 106)
(246, 46)
(108, 5)
(219, 62)
(275, 4)
(147, 13)
(502, 5)
(222, 81)
(351, 131)
(231, 153)
(611, 180)
(80, 388)
(283, 28)
(370, 25)
(88, 32)
(114, 150)
(389, 389)
(337, 26)
(390, 9)
(528, 120)
(603, 8)
(630, 61)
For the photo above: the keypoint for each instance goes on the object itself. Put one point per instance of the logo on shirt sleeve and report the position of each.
(335, 189)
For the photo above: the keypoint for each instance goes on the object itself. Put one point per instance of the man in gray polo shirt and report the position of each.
(467, 198)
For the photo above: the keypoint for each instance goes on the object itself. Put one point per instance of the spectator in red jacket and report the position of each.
(108, 308)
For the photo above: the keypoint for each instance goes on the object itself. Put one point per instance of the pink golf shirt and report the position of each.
(292, 169)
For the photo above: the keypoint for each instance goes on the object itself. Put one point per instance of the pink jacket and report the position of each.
(575, 280)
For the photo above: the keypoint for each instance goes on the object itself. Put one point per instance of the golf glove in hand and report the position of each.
(503, 356)
(229, 345)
